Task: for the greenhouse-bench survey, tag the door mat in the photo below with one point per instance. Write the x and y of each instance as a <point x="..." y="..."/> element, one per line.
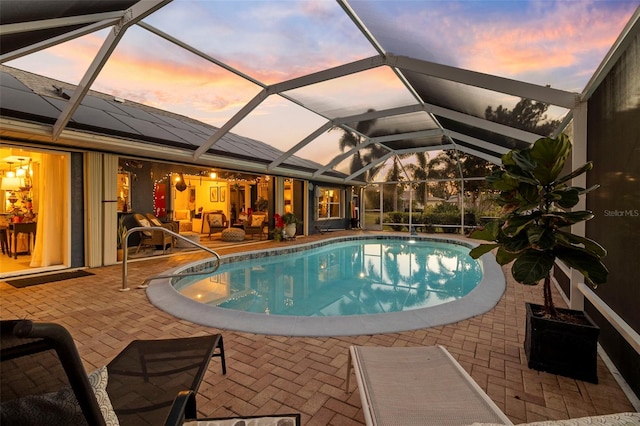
<point x="50" y="278"/>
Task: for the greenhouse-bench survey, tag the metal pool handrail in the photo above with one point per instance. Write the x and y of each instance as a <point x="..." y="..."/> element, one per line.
<point x="145" y="283"/>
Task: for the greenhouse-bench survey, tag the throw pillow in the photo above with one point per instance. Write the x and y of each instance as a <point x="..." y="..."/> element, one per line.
<point x="144" y="222"/>
<point x="98" y="380"/>
<point x="155" y="221"/>
<point x="257" y="220"/>
<point x="58" y="408"/>
<point x="216" y="220"/>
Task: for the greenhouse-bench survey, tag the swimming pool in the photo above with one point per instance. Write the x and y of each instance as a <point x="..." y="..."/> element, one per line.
<point x="383" y="277"/>
<point x="355" y="277"/>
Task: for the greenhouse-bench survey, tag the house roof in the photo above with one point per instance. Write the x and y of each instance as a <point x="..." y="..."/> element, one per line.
<point x="393" y="94"/>
<point x="36" y="98"/>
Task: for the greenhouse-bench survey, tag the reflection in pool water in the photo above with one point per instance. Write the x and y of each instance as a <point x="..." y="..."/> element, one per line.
<point x="347" y="278"/>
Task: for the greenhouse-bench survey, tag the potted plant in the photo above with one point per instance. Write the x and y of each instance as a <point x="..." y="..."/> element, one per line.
<point x="122" y="232"/>
<point x="16" y="215"/>
<point x="533" y="233"/>
<point x="262" y="204"/>
<point x="290" y="223"/>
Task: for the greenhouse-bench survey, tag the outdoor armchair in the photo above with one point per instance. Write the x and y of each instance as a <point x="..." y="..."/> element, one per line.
<point x="152" y="237"/>
<point x="171" y="226"/>
<point x="43" y="380"/>
<point x="217" y="222"/>
<point x="155" y="221"/>
<point x="256" y="224"/>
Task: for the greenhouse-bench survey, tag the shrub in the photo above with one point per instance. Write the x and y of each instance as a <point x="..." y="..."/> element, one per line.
<point x="446" y="208"/>
<point x="396" y="217"/>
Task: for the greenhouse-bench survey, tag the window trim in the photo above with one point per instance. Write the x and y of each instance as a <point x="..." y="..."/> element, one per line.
<point x="340" y="203"/>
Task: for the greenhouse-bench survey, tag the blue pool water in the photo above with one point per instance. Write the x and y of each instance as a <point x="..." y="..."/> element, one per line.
<point x="346" y="278"/>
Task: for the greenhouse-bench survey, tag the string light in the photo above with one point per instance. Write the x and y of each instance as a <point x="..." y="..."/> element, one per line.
<point x="212" y="175"/>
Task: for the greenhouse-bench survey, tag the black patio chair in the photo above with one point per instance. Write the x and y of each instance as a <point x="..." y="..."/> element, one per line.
<point x="43" y="380"/>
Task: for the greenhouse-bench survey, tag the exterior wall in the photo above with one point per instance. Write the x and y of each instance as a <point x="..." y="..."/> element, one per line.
<point x="77" y="211"/>
<point x="142" y="187"/>
<point x="317" y="226"/>
<point x="614" y="147"/>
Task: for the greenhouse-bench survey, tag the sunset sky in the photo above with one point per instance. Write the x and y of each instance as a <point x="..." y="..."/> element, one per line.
<point x="560" y="43"/>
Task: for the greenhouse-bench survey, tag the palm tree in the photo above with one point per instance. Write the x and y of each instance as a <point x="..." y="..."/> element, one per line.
<point x="443" y="166"/>
<point x="395" y="175"/>
<point x="526" y="115"/>
<point x="471" y="166"/>
<point x="373" y="153"/>
<point x="420" y="173"/>
<point x="351" y="139"/>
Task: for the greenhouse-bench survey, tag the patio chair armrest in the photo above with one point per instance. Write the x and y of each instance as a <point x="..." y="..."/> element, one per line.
<point x="169" y="226"/>
<point x="183" y="408"/>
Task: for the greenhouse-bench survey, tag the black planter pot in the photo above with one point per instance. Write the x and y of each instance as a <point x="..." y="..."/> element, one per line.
<point x="562" y="348"/>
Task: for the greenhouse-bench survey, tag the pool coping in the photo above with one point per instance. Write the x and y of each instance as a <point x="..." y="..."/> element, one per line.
<point x="480" y="300"/>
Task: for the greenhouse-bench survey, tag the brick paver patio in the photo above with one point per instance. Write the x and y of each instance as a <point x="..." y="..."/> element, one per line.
<point x="279" y="374"/>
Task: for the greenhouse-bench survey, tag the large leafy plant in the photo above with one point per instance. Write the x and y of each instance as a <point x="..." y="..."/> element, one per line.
<point x="534" y="229"/>
<point x="122" y="232"/>
<point x="289" y="218"/>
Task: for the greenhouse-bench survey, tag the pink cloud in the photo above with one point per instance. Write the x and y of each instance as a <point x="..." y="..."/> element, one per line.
<point x="575" y="40"/>
<point x="191" y="86"/>
<point x="542" y="42"/>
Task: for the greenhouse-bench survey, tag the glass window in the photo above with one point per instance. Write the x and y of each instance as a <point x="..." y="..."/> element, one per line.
<point x="330" y="203"/>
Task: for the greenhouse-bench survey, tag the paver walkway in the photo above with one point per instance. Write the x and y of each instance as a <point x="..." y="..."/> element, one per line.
<point x="279" y="374"/>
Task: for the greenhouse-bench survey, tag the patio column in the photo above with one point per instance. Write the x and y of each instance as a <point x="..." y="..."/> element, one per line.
<point x="278" y="199"/>
<point x="461" y="192"/>
<point x="110" y="209"/>
<point x="578" y="158"/>
<point x="98" y="206"/>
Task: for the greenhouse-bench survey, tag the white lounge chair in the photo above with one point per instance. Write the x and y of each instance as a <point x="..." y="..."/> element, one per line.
<point x="418" y="386"/>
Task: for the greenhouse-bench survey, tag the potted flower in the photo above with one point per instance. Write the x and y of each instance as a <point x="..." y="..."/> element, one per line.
<point x="533" y="233"/>
<point x="290" y="221"/>
<point x="279" y="227"/>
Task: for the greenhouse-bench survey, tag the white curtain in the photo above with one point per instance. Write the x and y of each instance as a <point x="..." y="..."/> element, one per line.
<point x="53" y="200"/>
